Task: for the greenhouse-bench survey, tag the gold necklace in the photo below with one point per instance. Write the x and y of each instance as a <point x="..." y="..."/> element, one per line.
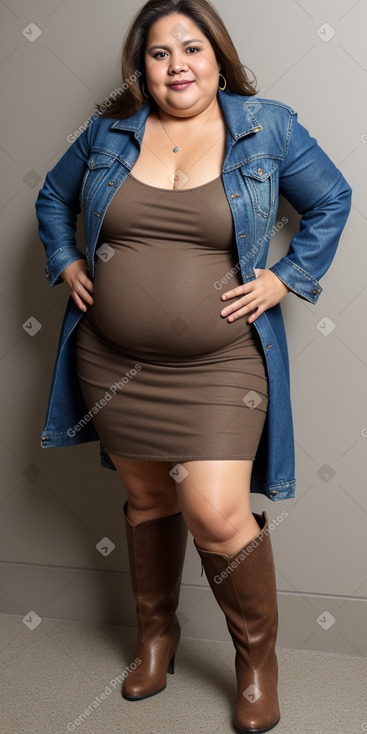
<point x="177" y="148"/>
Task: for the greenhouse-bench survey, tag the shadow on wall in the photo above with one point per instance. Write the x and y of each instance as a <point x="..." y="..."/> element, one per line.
<point x="68" y="558"/>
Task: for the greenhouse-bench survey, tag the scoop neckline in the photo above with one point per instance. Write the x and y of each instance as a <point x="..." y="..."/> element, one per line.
<point x="174" y="191"/>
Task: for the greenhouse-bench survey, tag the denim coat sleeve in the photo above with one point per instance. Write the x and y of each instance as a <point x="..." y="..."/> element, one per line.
<point x="58" y="205"/>
<point x="310" y="181"/>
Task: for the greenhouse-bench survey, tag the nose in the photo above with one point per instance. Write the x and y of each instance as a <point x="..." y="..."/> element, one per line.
<point x="178" y="63"/>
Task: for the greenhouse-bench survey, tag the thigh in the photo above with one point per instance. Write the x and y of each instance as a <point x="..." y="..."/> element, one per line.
<point x="215" y="501"/>
<point x="151" y="491"/>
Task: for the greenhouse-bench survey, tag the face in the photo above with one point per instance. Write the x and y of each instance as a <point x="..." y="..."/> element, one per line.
<point x="182" y="73"/>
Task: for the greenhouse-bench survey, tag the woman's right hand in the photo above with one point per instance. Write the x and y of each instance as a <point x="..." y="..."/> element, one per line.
<point x="81" y="287"/>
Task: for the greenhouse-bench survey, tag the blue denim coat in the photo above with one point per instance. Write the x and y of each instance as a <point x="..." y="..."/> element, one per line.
<point x="268" y="152"/>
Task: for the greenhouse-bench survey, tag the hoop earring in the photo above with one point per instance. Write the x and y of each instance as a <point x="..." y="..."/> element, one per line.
<point x="225" y="83"/>
<point x="143" y="90"/>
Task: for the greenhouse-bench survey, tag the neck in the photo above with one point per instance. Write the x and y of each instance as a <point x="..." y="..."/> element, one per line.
<point x="173" y="119"/>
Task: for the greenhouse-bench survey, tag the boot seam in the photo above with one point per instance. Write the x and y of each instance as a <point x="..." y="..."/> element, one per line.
<point x="138" y="595"/>
<point x="245" y="624"/>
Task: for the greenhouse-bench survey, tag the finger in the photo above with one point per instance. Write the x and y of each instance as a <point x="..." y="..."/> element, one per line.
<point x="243" y="310"/>
<point x="82" y="294"/>
<point x="246" y="301"/>
<point x="85" y="296"/>
<point x="240" y="314"/>
<point x="84" y="281"/>
<point x="78" y="301"/>
<point x="238" y="291"/>
<point x="88" y="284"/>
<point x="255" y="315"/>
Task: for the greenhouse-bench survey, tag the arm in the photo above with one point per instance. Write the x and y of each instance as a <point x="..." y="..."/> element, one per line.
<point x="57" y="207"/>
<point x="318" y="191"/>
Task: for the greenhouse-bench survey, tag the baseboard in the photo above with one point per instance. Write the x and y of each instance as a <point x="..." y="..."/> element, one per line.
<point x="333" y="624"/>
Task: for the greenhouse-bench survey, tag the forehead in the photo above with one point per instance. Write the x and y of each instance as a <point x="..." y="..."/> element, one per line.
<point x="176" y="28"/>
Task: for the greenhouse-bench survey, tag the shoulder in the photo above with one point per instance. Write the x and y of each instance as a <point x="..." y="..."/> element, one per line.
<point x="270" y="110"/>
<point x="270" y="119"/>
<point x="249" y="113"/>
<point x="100" y="134"/>
<point x="272" y="105"/>
<point x="100" y="125"/>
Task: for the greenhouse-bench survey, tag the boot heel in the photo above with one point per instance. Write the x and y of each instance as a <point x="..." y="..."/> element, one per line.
<point x="171" y="667"/>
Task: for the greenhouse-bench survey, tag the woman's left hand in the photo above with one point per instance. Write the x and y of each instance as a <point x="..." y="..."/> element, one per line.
<point x="257" y="296"/>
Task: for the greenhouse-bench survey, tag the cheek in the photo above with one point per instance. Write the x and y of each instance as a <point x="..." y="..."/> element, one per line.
<point x="154" y="72"/>
<point x="206" y="70"/>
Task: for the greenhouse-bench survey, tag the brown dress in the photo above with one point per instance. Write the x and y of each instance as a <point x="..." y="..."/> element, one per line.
<point x="164" y="376"/>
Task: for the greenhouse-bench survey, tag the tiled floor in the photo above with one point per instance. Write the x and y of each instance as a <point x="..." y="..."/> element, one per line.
<point x="53" y="673"/>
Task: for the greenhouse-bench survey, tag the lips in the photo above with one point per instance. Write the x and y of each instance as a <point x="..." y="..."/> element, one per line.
<point x="182" y="84"/>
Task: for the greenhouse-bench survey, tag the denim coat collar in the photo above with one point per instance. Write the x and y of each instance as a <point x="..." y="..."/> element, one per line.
<point x="240" y="122"/>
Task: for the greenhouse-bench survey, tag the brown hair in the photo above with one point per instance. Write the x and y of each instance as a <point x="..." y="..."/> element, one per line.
<point x="129" y="98"/>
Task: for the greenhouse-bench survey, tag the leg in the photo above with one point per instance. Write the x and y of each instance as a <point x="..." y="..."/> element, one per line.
<point x="150" y="489"/>
<point x="238" y="562"/>
<point x="215" y="502"/>
<point x="156" y="538"/>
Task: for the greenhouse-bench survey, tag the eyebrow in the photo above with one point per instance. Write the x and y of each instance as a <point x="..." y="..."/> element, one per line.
<point x="184" y="43"/>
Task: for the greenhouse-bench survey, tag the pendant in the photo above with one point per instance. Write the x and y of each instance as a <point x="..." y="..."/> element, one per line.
<point x="176" y="149"/>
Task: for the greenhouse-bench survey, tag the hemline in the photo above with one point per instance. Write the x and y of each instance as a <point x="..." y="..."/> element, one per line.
<point x="151" y="457"/>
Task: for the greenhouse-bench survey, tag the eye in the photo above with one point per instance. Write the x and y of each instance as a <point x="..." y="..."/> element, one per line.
<point x="159" y="55"/>
<point x="193" y="49"/>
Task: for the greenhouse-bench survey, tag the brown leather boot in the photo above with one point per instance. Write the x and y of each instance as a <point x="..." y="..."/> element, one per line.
<point x="156" y="553"/>
<point x="244" y="587"/>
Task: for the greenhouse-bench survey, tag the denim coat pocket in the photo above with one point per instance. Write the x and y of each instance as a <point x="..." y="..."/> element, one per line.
<point x="97" y="165"/>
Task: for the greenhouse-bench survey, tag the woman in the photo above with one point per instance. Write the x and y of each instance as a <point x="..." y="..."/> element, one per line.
<point x="173" y="350"/>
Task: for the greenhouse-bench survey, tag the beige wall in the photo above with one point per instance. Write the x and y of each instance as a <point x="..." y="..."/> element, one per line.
<point x="56" y="505"/>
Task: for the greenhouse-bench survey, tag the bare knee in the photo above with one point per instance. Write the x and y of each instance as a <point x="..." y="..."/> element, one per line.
<point x="218" y="525"/>
<point x="151" y="491"/>
<point x="219" y="529"/>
